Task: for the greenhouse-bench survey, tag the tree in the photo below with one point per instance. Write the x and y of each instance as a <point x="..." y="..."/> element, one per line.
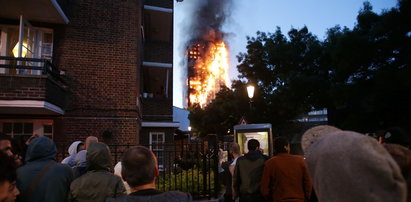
<point x="362" y="76"/>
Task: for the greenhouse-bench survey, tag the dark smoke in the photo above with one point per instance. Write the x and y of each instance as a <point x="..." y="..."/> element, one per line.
<point x="208" y="18"/>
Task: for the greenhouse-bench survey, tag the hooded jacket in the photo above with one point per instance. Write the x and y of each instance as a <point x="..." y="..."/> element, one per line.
<point x="348" y="166"/>
<point x="54" y="185"/>
<point x="98" y="183"/>
<point x="72" y="150"/>
<point x="247" y="174"/>
<point x="154" y="196"/>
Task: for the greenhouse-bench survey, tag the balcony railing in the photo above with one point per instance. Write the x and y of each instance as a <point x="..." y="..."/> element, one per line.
<point x="28" y="66"/>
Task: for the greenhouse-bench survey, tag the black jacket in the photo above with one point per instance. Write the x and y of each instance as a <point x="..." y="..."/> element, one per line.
<point x="247" y="174"/>
<point x="55" y="183"/>
<point x="152" y="195"/>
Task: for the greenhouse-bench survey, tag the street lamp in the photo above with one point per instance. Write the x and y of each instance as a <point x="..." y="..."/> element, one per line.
<point x="250" y="91"/>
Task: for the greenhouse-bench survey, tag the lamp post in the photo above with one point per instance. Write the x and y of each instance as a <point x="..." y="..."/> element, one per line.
<point x="250" y="92"/>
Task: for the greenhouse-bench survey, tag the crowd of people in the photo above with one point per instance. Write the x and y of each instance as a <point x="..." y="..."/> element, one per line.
<point x="84" y="176"/>
<point x="337" y="166"/>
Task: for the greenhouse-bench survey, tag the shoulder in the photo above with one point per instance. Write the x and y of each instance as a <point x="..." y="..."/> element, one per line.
<point x="178" y="196"/>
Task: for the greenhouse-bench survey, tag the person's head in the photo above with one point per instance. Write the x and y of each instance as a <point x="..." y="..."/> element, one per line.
<point x="90" y="140"/>
<point x="8" y="177"/>
<point x="253" y="145"/>
<point x="5" y="145"/>
<point x="98" y="157"/>
<point x="402" y="155"/>
<point x="311" y="135"/>
<point x="74" y="148"/>
<point x="281" y="145"/>
<point x="234" y="148"/>
<point x="139" y="166"/>
<point x="348" y="151"/>
<point x="41" y="148"/>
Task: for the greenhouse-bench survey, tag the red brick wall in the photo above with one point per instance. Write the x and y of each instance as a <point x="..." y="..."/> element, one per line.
<point x="157" y="109"/>
<point x="27" y="87"/>
<point x="100" y="51"/>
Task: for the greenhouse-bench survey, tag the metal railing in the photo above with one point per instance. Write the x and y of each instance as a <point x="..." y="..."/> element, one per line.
<point x="27" y="66"/>
<point x="187" y="167"/>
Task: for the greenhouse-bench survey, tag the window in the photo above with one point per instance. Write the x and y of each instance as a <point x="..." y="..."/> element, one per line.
<point x="18" y="129"/>
<point x="157" y="140"/>
<point x="48" y="131"/>
<point x="37" y="43"/>
<point x="156" y="82"/>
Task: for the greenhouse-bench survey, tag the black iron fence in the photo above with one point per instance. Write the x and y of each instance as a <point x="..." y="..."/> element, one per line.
<point x="28" y="66"/>
<point x="188" y="167"/>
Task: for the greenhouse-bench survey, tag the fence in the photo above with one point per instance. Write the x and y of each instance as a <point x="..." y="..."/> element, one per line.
<point x="188" y="167"/>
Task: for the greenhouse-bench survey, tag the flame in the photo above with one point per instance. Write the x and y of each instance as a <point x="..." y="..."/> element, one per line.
<point x="210" y="72"/>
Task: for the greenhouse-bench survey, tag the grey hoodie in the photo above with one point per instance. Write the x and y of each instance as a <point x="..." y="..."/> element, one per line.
<point x="54" y="185"/>
<point x="348" y="166"/>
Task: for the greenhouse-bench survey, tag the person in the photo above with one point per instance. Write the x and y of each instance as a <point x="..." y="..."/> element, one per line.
<point x="8" y="176"/>
<point x="98" y="183"/>
<point x="285" y="176"/>
<point x="5" y="145"/>
<point x="74" y="148"/>
<point x="41" y="178"/>
<point x="140" y="170"/>
<point x="234" y="150"/>
<point x="117" y="171"/>
<point x="348" y="166"/>
<point x="402" y="155"/>
<point x="248" y="172"/>
<point x="80" y="164"/>
<point x="229" y="166"/>
<point x="90" y="140"/>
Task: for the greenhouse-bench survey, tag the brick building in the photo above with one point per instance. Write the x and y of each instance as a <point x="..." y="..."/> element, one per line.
<point x="70" y="69"/>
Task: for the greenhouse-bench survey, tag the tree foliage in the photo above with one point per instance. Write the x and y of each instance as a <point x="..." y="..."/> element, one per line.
<point x="362" y="76"/>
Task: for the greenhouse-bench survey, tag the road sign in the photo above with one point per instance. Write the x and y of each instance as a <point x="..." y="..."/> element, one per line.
<point x="243" y="121"/>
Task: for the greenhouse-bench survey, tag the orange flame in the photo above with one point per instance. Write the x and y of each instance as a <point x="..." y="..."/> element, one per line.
<point x="210" y="72"/>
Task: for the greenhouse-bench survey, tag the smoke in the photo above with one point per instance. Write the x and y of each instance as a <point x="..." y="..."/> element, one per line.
<point x="208" y="18"/>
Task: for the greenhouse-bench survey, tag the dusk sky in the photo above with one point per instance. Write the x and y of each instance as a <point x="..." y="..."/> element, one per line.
<point x="248" y="17"/>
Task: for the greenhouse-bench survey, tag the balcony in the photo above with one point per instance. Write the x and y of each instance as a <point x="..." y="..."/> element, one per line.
<point x="48" y="11"/>
<point x="30" y="86"/>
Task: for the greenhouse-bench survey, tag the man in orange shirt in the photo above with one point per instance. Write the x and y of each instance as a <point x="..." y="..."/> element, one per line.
<point x="285" y="176"/>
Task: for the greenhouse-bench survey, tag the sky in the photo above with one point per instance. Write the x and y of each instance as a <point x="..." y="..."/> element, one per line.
<point x="250" y="16"/>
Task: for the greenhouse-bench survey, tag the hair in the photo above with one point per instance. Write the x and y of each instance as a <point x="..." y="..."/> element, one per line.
<point x="78" y="146"/>
<point x="138" y="166"/>
<point x="234" y="148"/>
<point x="279" y="144"/>
<point x="8" y="168"/>
<point x="253" y="144"/>
<point x="90" y="140"/>
<point x="4" y="137"/>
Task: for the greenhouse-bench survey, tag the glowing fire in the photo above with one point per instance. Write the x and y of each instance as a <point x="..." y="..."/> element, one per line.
<point x="210" y="72"/>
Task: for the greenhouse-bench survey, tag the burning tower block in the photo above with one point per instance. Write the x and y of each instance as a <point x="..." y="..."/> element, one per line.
<point x="207" y="71"/>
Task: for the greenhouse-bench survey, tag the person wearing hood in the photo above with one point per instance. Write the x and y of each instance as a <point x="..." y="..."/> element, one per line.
<point x="74" y="148"/>
<point x="349" y="166"/>
<point x="80" y="164"/>
<point x="41" y="178"/>
<point x="98" y="183"/>
<point x="248" y="172"/>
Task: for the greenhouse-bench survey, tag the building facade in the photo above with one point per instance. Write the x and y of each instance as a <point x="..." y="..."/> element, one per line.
<point x="157" y="98"/>
<point x="70" y="69"/>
